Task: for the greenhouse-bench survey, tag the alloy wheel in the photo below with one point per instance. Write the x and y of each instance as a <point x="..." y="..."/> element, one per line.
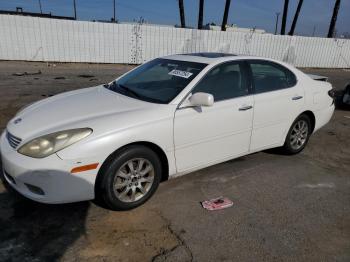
<point x="133" y="180"/>
<point x="299" y="134"/>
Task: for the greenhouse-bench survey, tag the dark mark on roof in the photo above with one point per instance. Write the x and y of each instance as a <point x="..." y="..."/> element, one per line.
<point x="210" y="55"/>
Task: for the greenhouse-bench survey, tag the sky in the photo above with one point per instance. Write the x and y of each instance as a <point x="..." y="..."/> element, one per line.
<point x="244" y="13"/>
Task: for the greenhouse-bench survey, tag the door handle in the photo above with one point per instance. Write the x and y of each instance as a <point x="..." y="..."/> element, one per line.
<point x="244" y="108"/>
<point x="297" y="97"/>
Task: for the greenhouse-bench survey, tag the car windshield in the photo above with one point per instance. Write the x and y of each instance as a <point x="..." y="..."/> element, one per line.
<point x="158" y="81"/>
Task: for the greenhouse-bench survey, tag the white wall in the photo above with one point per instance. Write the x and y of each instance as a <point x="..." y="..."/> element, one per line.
<point x="43" y="39"/>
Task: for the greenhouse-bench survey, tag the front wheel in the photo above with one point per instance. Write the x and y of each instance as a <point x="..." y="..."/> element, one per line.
<point x="298" y="135"/>
<point x="131" y="178"/>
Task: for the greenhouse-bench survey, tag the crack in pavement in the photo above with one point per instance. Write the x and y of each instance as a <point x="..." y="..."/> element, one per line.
<point x="175" y="251"/>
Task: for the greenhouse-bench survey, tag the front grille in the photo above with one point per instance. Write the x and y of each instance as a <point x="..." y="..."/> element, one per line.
<point x="13" y="140"/>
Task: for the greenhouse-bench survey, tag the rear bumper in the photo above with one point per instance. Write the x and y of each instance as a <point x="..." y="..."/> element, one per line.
<point x="46" y="180"/>
<point x="323" y="116"/>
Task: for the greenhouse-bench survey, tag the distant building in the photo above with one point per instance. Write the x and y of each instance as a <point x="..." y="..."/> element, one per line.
<point x="234" y="28"/>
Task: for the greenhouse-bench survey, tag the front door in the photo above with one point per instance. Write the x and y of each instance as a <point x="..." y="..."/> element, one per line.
<point x="208" y="135"/>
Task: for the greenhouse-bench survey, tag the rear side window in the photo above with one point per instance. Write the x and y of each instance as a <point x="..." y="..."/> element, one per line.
<point x="224" y="81"/>
<point x="269" y="76"/>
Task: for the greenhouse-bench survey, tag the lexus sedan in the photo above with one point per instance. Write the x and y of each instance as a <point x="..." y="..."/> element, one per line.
<point x="165" y="118"/>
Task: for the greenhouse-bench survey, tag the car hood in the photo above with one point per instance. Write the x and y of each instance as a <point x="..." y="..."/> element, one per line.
<point x="71" y="110"/>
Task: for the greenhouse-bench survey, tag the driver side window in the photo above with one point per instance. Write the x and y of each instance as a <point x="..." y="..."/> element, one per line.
<point x="224" y="82"/>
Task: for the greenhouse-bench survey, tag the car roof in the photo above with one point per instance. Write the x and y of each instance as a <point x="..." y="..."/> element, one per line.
<point x="208" y="57"/>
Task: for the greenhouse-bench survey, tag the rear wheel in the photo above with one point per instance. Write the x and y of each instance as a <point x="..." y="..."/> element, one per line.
<point x="298" y="135"/>
<point x="131" y="178"/>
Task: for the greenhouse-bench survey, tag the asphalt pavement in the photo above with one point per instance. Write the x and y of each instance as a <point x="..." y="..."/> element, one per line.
<point x="286" y="208"/>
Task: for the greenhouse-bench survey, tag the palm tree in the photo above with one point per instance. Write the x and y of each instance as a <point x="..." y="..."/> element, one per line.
<point x="334" y="19"/>
<point x="200" y="14"/>
<point x="182" y="13"/>
<point x="41" y="10"/>
<point x="296" y="16"/>
<point x="75" y="10"/>
<point x="284" y="17"/>
<point x="224" y="19"/>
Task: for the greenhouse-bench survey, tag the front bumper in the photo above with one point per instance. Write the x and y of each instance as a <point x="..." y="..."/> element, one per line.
<point x="46" y="180"/>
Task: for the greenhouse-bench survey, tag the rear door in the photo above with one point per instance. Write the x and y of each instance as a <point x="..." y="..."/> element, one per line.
<point x="207" y="135"/>
<point x="278" y="99"/>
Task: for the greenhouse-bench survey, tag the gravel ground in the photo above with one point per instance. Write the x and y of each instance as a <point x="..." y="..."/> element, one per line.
<point x="286" y="208"/>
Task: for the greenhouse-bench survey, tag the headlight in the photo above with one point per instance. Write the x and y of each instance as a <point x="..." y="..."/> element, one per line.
<point x="48" y="144"/>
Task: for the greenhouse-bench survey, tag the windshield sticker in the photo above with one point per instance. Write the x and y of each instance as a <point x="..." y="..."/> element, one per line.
<point x="180" y="73"/>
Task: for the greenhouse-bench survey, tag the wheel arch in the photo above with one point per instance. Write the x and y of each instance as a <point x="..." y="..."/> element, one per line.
<point x="312" y="118"/>
<point x="157" y="149"/>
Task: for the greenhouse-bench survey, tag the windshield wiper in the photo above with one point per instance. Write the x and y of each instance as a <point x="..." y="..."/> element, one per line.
<point x="128" y="90"/>
<point x="110" y="85"/>
<point x="113" y="85"/>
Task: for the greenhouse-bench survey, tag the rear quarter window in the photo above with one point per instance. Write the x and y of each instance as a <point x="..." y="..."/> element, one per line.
<point x="269" y="76"/>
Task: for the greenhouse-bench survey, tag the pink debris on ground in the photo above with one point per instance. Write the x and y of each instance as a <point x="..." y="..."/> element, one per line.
<point x="217" y="203"/>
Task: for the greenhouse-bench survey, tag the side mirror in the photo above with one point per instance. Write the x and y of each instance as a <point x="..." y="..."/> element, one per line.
<point x="201" y="99"/>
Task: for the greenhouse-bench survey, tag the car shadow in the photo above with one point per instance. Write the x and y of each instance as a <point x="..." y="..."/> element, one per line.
<point x="30" y="231"/>
<point x="275" y="151"/>
<point x="33" y="231"/>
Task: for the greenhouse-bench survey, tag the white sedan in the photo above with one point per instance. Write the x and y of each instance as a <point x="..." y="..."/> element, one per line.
<point x="165" y="118"/>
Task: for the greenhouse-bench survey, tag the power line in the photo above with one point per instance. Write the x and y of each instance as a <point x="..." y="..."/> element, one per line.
<point x="142" y="10"/>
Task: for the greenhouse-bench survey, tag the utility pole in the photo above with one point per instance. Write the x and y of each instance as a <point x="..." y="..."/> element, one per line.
<point x="200" y="14"/>
<point x="277" y="16"/>
<point x="295" y="19"/>
<point x="75" y="10"/>
<point x="41" y="10"/>
<point x="182" y="13"/>
<point x="334" y="19"/>
<point x="313" y="31"/>
<point x="114" y="11"/>
<point x="284" y="17"/>
<point x="224" y="19"/>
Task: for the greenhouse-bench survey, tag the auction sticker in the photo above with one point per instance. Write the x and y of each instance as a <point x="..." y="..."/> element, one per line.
<point x="180" y="73"/>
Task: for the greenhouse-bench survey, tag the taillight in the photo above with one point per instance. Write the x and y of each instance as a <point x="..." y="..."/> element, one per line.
<point x="331" y="93"/>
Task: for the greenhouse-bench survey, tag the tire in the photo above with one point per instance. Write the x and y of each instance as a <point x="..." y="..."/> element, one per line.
<point x="129" y="178"/>
<point x="17" y="196"/>
<point x="298" y="135"/>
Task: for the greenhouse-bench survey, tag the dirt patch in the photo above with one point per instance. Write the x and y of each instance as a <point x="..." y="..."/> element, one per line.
<point x="137" y="235"/>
